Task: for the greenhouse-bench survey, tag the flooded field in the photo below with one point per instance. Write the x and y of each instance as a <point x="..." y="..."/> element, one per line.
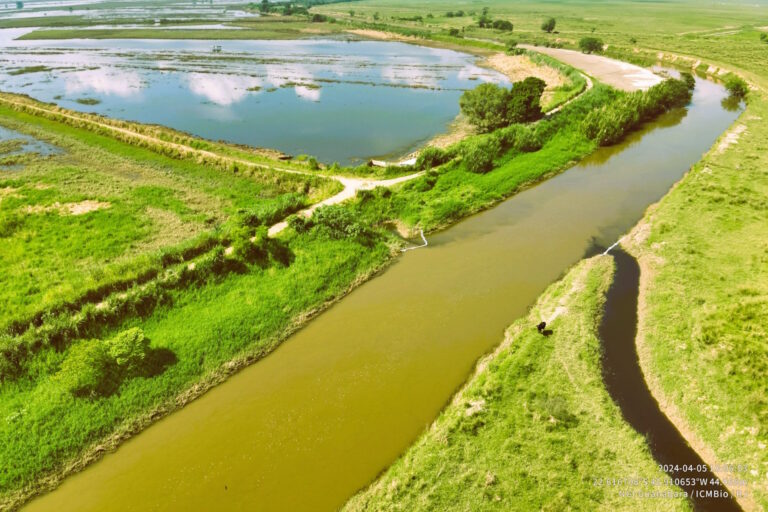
<point x="337" y="100"/>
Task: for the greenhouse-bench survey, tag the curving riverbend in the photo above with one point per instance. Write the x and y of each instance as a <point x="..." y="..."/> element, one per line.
<point x="320" y="417"/>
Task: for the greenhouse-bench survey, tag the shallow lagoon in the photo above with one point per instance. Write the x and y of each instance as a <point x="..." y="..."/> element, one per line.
<point x="339" y="100"/>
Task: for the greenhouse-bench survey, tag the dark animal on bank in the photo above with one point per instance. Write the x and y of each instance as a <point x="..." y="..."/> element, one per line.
<point x="541" y="326"/>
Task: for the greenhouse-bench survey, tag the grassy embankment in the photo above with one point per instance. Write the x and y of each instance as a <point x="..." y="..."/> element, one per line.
<point x="702" y="250"/>
<point x="529" y="429"/>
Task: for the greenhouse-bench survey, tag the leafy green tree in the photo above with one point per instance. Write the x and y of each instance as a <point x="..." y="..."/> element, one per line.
<point x="591" y="45"/>
<point x="129" y="350"/>
<point x="549" y="25"/>
<point x="486" y="106"/>
<point x="524" y="103"/>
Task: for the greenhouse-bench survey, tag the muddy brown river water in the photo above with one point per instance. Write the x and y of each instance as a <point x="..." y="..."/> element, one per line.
<point x="319" y="418"/>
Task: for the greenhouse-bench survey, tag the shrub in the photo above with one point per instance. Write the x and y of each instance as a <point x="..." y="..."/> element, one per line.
<point x="478" y="156"/>
<point x="430" y="157"/>
<point x="88" y="370"/>
<point x="338" y="222"/>
<point x="736" y="86"/>
<point x="688" y="79"/>
<point x="454" y="32"/>
<point x="299" y="223"/>
<point x="764" y="37"/>
<point x="549" y="25"/>
<point x="129" y="350"/>
<point x="504" y="25"/>
<point x="591" y="45"/>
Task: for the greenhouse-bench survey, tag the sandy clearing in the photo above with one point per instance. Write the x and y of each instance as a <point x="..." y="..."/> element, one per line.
<point x="518" y="67"/>
<point x="380" y="34"/>
<point x="620" y="75"/>
<point x="731" y="138"/>
<point x="80" y="208"/>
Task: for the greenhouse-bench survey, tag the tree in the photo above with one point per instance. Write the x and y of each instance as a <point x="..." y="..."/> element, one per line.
<point x="524" y="103"/>
<point x="549" y="25"/>
<point x="591" y="45"/>
<point x="486" y="106"/>
<point x="503" y="25"/>
<point x="129" y="349"/>
<point x="490" y="107"/>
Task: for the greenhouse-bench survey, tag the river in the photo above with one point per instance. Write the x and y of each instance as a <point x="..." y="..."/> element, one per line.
<point x="333" y="406"/>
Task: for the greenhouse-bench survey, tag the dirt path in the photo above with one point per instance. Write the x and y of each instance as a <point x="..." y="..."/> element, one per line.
<point x="615" y="73"/>
<point x="351" y="185"/>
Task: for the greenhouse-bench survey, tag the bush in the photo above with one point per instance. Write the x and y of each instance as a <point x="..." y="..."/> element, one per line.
<point x="430" y="157"/>
<point x="454" y="32"/>
<point x="478" y="156"/>
<point x="129" y="350"/>
<point x="736" y="86"/>
<point x="299" y="223"/>
<point x="688" y="79"/>
<point x="338" y="222"/>
<point x="591" y="45"/>
<point x="504" y="25"/>
<point x="549" y="25"/>
<point x="88" y="370"/>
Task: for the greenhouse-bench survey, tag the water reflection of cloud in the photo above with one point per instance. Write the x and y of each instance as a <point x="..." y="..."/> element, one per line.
<point x="119" y="83"/>
<point x="221" y="89"/>
<point x="476" y="72"/>
<point x="409" y="73"/>
<point x="307" y="93"/>
<point x="288" y="74"/>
